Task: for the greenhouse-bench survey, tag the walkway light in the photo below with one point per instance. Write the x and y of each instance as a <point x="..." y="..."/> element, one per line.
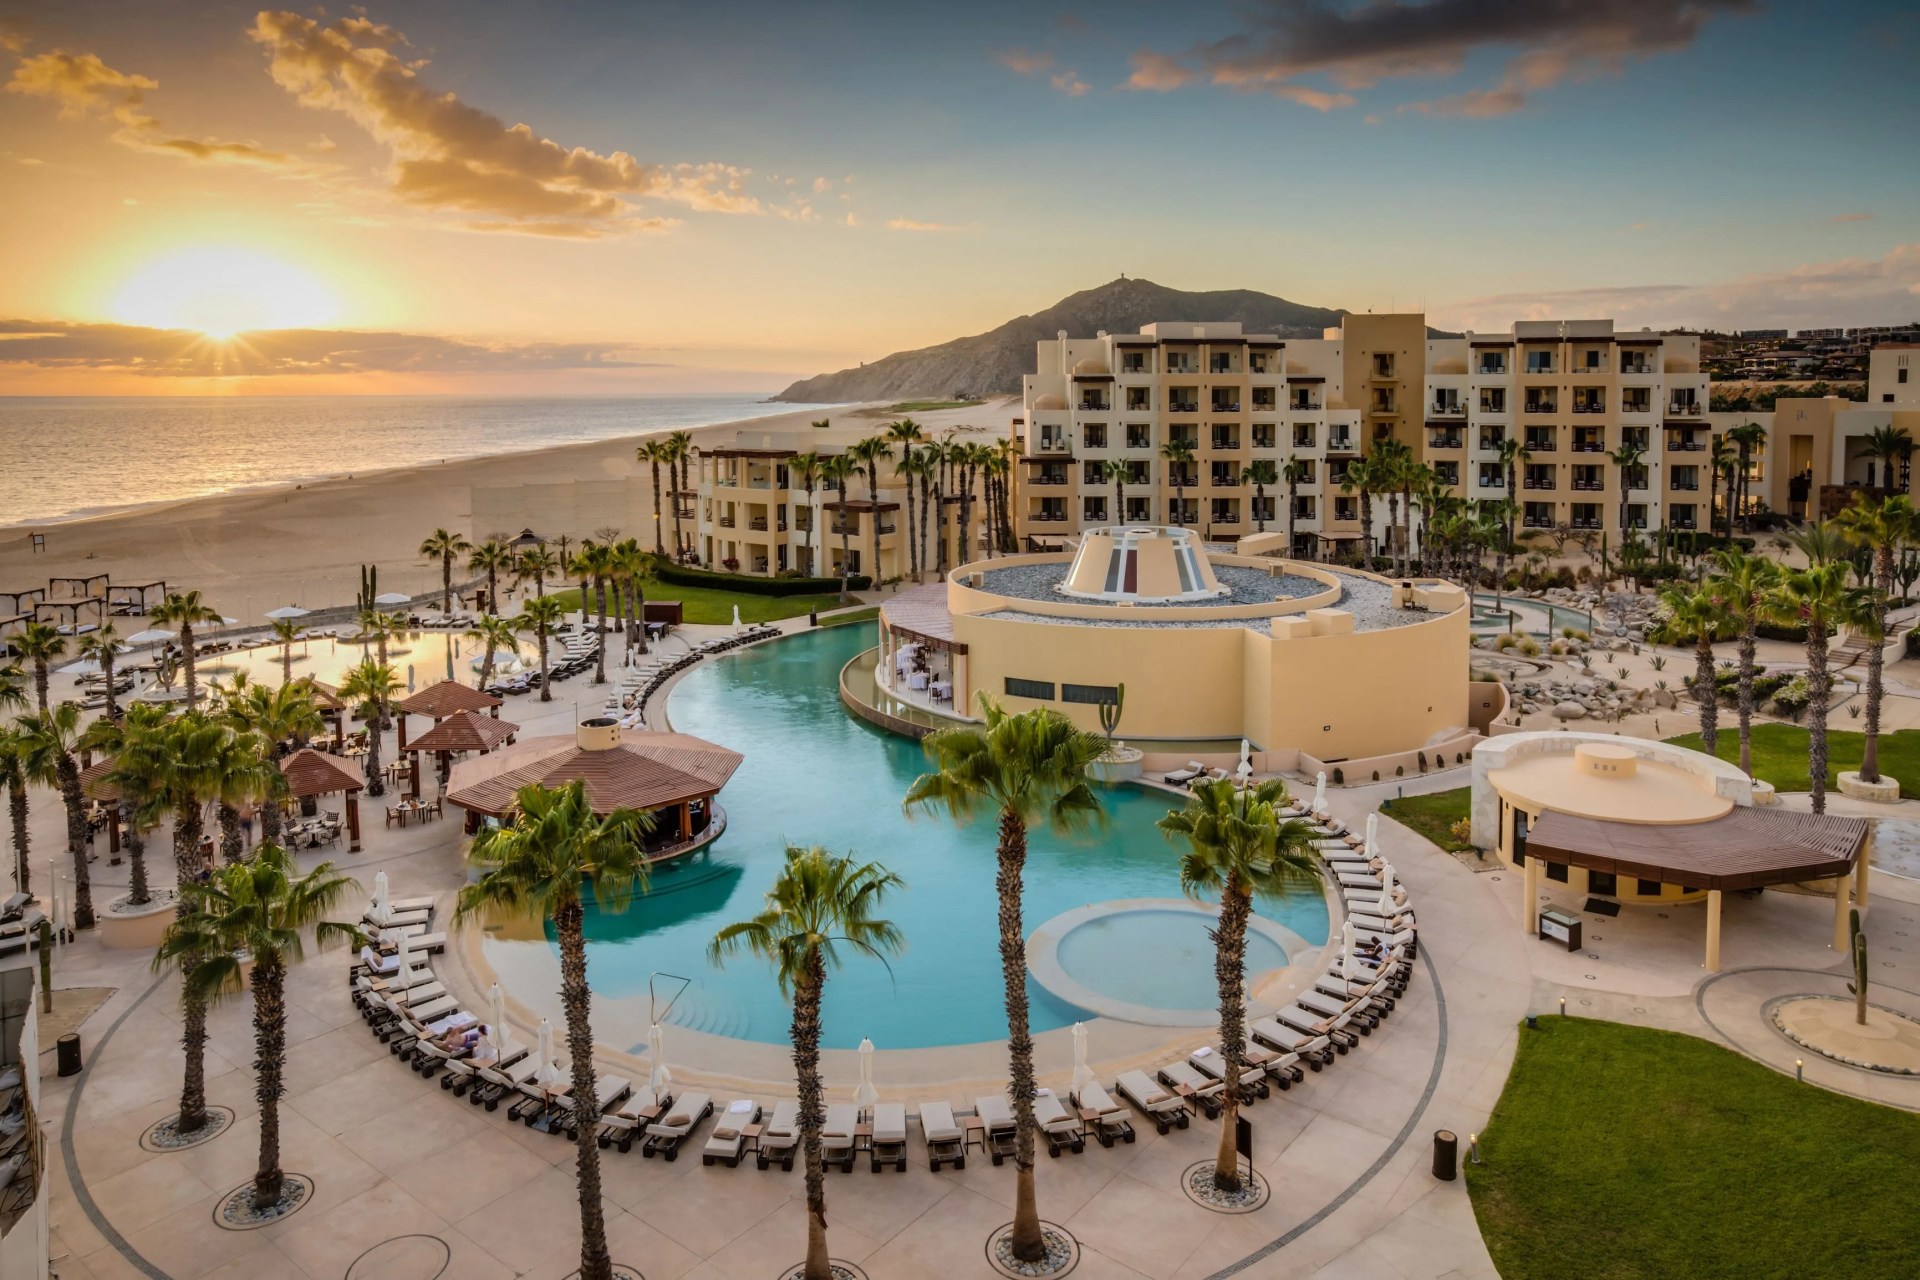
<point x="1563" y="1006"/>
<point x="1473" y="1148"/>
<point x="1799" y="1071"/>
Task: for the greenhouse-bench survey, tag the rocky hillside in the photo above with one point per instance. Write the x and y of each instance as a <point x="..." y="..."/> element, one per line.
<point x="990" y="364"/>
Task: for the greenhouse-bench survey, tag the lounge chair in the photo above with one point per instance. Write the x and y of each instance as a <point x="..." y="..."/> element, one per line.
<point x="1060" y="1127"/>
<point x="665" y="1135"/>
<point x="1210" y="1063"/>
<point x="1201" y="1090"/>
<point x="537" y="1095"/>
<point x="607" y="1091"/>
<point x="1162" y="1106"/>
<point x="1181" y="777"/>
<point x="946" y="1140"/>
<point x="837" y="1137"/>
<point x="622" y="1122"/>
<point x="1315" y="1022"/>
<point x="1282" y="1069"/>
<point x="1110" y="1119"/>
<point x="1313" y="1046"/>
<point x="779" y="1137"/>
<point x="498" y="1081"/>
<point x="1001" y="1131"/>
<point x="464" y="1073"/>
<point x="728" y="1137"/>
<point x="889" y="1143"/>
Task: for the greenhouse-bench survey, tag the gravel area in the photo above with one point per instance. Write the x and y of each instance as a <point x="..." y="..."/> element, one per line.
<point x="1247" y="586"/>
<point x="1370" y="603"/>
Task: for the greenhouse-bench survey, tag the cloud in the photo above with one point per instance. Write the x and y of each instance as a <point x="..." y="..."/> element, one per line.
<point x="451" y="156"/>
<point x="1855" y="291"/>
<point x="1023" y="62"/>
<point x="82" y="85"/>
<point x="1070" y="83"/>
<point x="1851" y="217"/>
<point x="179" y="353"/>
<point x="1321" y="54"/>
<point x="908" y="224"/>
<point x="853" y="219"/>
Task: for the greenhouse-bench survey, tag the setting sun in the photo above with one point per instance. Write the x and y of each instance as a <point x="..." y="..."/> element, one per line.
<point x="220" y="291"/>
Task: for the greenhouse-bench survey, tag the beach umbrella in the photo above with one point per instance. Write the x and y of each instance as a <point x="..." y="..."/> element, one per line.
<point x="1320" y="792"/>
<point x="1346" y="949"/>
<point x="381" y="912"/>
<point x="1082" y="1073"/>
<point x="549" y="1070"/>
<point x="84" y="667"/>
<point x="660" y="1079"/>
<point x="409" y="677"/>
<point x="151" y="636"/>
<point x="1386" y="889"/>
<point x="286" y="612"/>
<point x="393" y="597"/>
<point x="1246" y="756"/>
<point x="497" y="1009"/>
<point x="1373" y="828"/>
<point x="864" y="1094"/>
<point x="403" y="974"/>
<point x="736" y="617"/>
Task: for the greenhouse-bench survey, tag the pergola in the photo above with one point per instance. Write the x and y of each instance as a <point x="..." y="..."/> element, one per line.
<point x="96" y="785"/>
<point x="675" y="774"/>
<point x="135" y="599"/>
<point x="313" y="773"/>
<point x="327" y="700"/>
<point x="462" y="732"/>
<point x="438" y="701"/>
<point x="89" y="612"/>
<point x="1747" y="848"/>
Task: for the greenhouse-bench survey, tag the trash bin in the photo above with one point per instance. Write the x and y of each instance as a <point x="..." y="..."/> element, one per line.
<point x="67" y="1053"/>
<point x="1446" y="1155"/>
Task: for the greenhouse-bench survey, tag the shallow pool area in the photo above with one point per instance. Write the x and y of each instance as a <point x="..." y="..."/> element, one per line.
<point x="1157" y="957"/>
<point x="816" y="775"/>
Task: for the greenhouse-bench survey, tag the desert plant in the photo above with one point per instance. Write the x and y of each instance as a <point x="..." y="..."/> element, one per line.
<point x="1658" y="662"/>
<point x="1857" y="951"/>
<point x="1339" y="776"/>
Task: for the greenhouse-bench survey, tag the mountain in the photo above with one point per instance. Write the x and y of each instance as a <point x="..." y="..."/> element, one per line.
<point x="990" y="364"/>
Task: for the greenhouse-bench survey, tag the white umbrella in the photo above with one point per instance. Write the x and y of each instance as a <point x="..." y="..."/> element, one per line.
<point x="84" y="667"/>
<point x="1386" y="889"/>
<point x="1373" y="828"/>
<point x="1320" y="792"/>
<point x="403" y="973"/>
<point x="1082" y="1073"/>
<point x="287" y="612"/>
<point x="393" y="597"/>
<point x="409" y="677"/>
<point x="152" y="636"/>
<point x="229" y="622"/>
<point x="864" y="1094"/>
<point x="659" y="1078"/>
<point x="736" y="617"/>
<point x="381" y="912"/>
<point x="548" y="1072"/>
<point x="497" y="1008"/>
<point x="1347" y="932"/>
<point x="1246" y="756"/>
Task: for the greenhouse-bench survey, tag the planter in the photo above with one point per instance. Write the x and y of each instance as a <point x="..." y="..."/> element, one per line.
<point x="124" y="928"/>
<point x="1120" y="764"/>
<point x="1885" y="791"/>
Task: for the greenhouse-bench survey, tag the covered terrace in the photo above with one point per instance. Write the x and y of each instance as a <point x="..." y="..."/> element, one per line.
<point x="462" y="733"/>
<point x="311" y="774"/>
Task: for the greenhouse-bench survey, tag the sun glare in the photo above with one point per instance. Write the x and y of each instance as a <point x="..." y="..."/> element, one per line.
<point x="221" y="291"/>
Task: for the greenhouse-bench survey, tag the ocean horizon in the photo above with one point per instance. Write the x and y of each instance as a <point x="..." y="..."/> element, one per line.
<point x="72" y="457"/>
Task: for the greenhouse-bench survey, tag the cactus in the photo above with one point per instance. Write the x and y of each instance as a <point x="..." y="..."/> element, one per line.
<point x="1857" y="947"/>
<point x="1110" y="712"/>
<point x="46" y="966"/>
<point x="1339" y="777"/>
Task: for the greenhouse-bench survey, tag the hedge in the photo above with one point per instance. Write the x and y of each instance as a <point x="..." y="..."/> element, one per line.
<point x="749" y="584"/>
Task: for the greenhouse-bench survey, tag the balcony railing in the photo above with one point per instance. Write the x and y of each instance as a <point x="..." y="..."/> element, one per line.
<point x="1183" y="406"/>
<point x="1688" y="446"/>
<point x="758" y="523"/>
<point x="1638" y="368"/>
<point x="1303" y="405"/>
<point x="1265" y="406"/>
<point x="1684" y="409"/>
<point x="1045" y="516"/>
<point x="725" y="522"/>
<point x="1492" y="439"/>
<point x="1589" y="407"/>
<point x="1444" y="440"/>
<point x="1340" y="443"/>
<point x="1050" y="480"/>
<point x="1585" y="524"/>
<point x="1303" y="441"/>
<point x="1497" y="408"/>
<point x="1589" y="486"/>
<point x="1495" y="481"/>
<point x="1636" y="406"/>
<point x="1492" y="370"/>
<point x="1448" y="409"/>
<point x="1689" y="486"/>
<point x="1536" y="522"/>
<point x="1589" y="446"/>
<point x="1542" y="446"/>
<point x="1225" y="482"/>
<point x="1226" y="406"/>
<point x="1097" y="406"/>
<point x="1542" y="406"/>
<point x="1679" y="522"/>
<point x="1539" y="484"/>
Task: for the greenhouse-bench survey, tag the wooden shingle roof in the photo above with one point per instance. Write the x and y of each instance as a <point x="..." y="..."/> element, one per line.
<point x="464" y="731"/>
<point x="642" y="771"/>
<point x="443" y="699"/>
<point x="315" y="773"/>
<point x="1747" y="848"/>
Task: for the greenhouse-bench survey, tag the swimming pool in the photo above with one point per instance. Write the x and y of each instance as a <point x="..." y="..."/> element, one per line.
<point x="1157" y="957"/>
<point x="816" y="775"/>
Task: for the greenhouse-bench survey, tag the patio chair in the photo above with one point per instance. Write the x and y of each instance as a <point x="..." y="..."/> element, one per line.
<point x="837" y="1135"/>
<point x="728" y="1139"/>
<point x="1110" y="1119"/>
<point x="946" y="1140"/>
<point x="1001" y="1132"/>
<point x="889" y="1144"/>
<point x="1162" y="1106"/>
<point x="779" y="1137"/>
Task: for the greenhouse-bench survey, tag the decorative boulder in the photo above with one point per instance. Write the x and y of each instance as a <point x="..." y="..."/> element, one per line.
<point x="1569" y="711"/>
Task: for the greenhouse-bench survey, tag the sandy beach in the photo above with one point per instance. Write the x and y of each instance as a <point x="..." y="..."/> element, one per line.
<point x="251" y="552"/>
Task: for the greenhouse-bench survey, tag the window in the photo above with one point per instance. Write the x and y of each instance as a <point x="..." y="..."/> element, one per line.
<point x="1447" y="473"/>
<point x="1648" y="888"/>
<point x="1091" y="693"/>
<point x="1095" y="435"/>
<point x="1900" y="376"/>
<point x="1139" y="436"/>
<point x="1602" y="882"/>
<point x="1519" y="837"/>
<point x="1094" y="510"/>
<point x="1226" y="511"/>
<point x="1040" y="690"/>
<point x="1557" y="871"/>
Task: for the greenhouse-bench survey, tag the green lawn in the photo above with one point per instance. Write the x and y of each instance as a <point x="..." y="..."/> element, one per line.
<point x="928" y="406"/>
<point x="1624" y="1153"/>
<point x="851" y="617"/>
<point x="1780" y="754"/>
<point x="1432" y="815"/>
<point x="711" y="605"/>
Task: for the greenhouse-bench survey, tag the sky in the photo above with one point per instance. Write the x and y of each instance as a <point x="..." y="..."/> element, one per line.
<point x="478" y="196"/>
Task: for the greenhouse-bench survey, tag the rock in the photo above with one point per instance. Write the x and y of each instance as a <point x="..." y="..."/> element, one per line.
<point x="1583" y="688"/>
<point x="1664" y="699"/>
<point x="1569" y="711"/>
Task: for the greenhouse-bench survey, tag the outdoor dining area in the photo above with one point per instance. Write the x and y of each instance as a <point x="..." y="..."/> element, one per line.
<point x="920" y="668"/>
<point x="401" y="812"/>
<point x="311" y="774"/>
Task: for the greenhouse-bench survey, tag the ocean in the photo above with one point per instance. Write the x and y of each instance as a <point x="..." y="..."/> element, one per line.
<point x="66" y="457"/>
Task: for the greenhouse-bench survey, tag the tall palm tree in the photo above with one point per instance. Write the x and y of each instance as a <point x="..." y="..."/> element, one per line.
<point x="1721" y="461"/>
<point x="183" y="611"/>
<point x="1238" y="848"/>
<point x="285" y="632"/>
<point x="1626" y="465"/>
<point x="1883" y="526"/>
<point x="493" y="633"/>
<point x="1115" y="471"/>
<point x="1699" y="616"/>
<point x="1889" y="446"/>
<point x="52" y="737"/>
<point x="1514" y="454"/>
<point x="1821" y="542"/>
<point x="906" y="433"/>
<point x="374" y="686"/>
<point x="492" y="558"/>
<point x="1295" y="474"/>
<point x="867" y="455"/>
<point x="1743" y="583"/>
<point x="378" y="628"/>
<point x="542" y="616"/>
<point x="42" y="645"/>
<point x="257" y="910"/>
<point x="1025" y="769"/>
<point x="276" y="716"/>
<point x="819" y="901"/>
<point x="1260" y="473"/>
<point x="805" y="469"/>
<point x="1178" y="453"/>
<point x="1364" y="476"/>
<point x="594" y="562"/>
<point x="13" y="769"/>
<point x="445" y="546"/>
<point x="109" y="738"/>
<point x="631" y="566"/>
<point x="971" y="457"/>
<point x="679" y="453"/>
<point x="1819" y="599"/>
<point x="654" y="452"/>
<point x="910" y="467"/>
<point x="248" y="775"/>
<point x="836" y="469"/>
<point x="1000" y="466"/>
<point x="103" y="647"/>
<point x="1747" y="437"/>
<point x="536" y="868"/>
<point x="535" y="565"/>
<point x="1389" y="463"/>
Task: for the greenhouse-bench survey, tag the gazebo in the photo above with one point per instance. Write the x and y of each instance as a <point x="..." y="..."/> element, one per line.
<point x="462" y="732"/>
<point x="95" y="784"/>
<point x="674" y="774"/>
<point x="438" y="701"/>
<point x="313" y="773"/>
<point x="331" y="706"/>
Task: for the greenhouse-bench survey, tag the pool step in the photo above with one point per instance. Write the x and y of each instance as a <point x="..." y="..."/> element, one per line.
<point x="705" y="1010"/>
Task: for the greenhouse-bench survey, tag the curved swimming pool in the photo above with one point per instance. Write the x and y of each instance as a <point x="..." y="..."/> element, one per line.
<point x="815" y="775"/>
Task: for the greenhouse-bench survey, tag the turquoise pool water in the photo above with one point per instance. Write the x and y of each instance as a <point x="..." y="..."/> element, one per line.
<point x="816" y="775"/>
<point x="1162" y="959"/>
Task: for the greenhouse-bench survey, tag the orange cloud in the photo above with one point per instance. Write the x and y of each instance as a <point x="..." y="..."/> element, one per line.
<point x="909" y="224"/>
<point x="1070" y="83"/>
<point x="1023" y="62"/>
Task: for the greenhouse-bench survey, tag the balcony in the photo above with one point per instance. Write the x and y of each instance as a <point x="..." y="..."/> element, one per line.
<point x="1095" y="406"/>
<point x="1537" y="522"/>
<point x="1225" y="406"/>
<point x="1589" y="406"/>
<point x="1495" y="480"/>
<point x="1304" y="404"/>
<point x="725" y="522"/>
<point x="1544" y="445"/>
<point x="1588" y="523"/>
<point x="1589" y="486"/>
<point x="1687" y="446"/>
<point x="1637" y="368"/>
<point x="1183" y="406"/>
<point x="758" y="524"/>
<point x="1445" y="440"/>
<point x="1265" y="406"/>
<point x="1542" y="367"/>
<point x="1532" y="483"/>
<point x="1589" y="446"/>
<point x="1542" y="406"/>
<point x="1684" y="409"/>
<point x="1040" y="516"/>
<point x="1686" y="523"/>
<point x="1447" y="409"/>
<point x="1492" y="369"/>
<point x="1636" y="406"/>
<point x="1049" y="480"/>
<point x="1340" y="442"/>
<point x="1492" y="439"/>
<point x="1684" y="486"/>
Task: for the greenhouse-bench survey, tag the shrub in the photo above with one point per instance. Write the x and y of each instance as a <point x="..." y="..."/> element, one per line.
<point x="1530" y="647"/>
<point x="1505" y="641"/>
<point x="1339" y="776"/>
<point x="1462" y="830"/>
<point x="1376" y="775"/>
<point x="1399" y="771"/>
<point x="749" y="584"/>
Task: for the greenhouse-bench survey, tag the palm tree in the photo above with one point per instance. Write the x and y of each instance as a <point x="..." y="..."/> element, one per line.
<point x="248" y="773"/>
<point x="52" y="736"/>
<point x="836" y="469"/>
<point x="444" y="545"/>
<point x="13" y="768"/>
<point x="491" y="557"/>
<point x="806" y="469"/>
<point x="1260" y="473"/>
<point x="866" y="455"/>
<point x="910" y="467"/>
<point x="1819" y="599"/>
<point x="1178" y="454"/>
<point x="1295" y="474"/>
<point x="1889" y="446"/>
<point x="1389" y="464"/>
<point x="103" y="647"/>
<point x="971" y="458"/>
<point x="41" y="644"/>
<point x="630" y="565"/>
<point x="1699" y="616"/>
<point x="1720" y="461"/>
<point x="818" y="901"/>
<point x="494" y="633"/>
<point x="906" y="433"/>
<point x="374" y="686"/>
<point x="1363" y="475"/>
<point x="653" y="453"/>
<point x="184" y="610"/>
<point x="1026" y="769"/>
<point x="535" y="869"/>
<point x="679" y="453"/>
<point x="1116" y="470"/>
<point x="285" y="631"/>
<point x="1513" y="455"/>
<point x="1000" y="469"/>
<point x="1626" y="462"/>
<point x="1742" y="582"/>
<point x="594" y="562"/>
<point x="1883" y="526"/>
<point x="542" y="616"/>
<point x="109" y="738"/>
<point x="257" y="910"/>
<point x="276" y="716"/>
<point x="1238" y="848"/>
<point x="1747" y="437"/>
<point x="535" y="565"/>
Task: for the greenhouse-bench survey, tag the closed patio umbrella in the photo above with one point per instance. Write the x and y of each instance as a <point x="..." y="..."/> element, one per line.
<point x="548" y="1073"/>
<point x="1320" y="792"/>
<point x="404" y="973"/>
<point x="1346" y="949"/>
<point x="409" y="677"/>
<point x="1373" y="828"/>
<point x="864" y="1094"/>
<point x="497" y="1010"/>
<point x="1386" y="889"/>
<point x="381" y="912"/>
<point x="659" y="1078"/>
<point x="1082" y="1073"/>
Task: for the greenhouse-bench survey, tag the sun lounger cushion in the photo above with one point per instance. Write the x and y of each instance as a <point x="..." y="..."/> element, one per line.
<point x="889" y="1122"/>
<point x="837" y="1132"/>
<point x="738" y="1115"/>
<point x="686" y="1112"/>
<point x="936" y="1121"/>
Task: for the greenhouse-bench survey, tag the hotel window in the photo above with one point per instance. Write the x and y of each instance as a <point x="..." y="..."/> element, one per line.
<point x="1183" y="400"/>
<point x="1346" y="508"/>
<point x="1263" y="436"/>
<point x="1094" y="435"/>
<point x="1447" y="473"/>
<point x="1603" y="883"/>
<point x="1557" y="871"/>
<point x="1139" y="400"/>
<point x="1139" y="511"/>
<point x="1038" y="690"/>
<point x="1093" y="473"/>
<point x="1492" y="476"/>
<point x="1263" y="401"/>
<point x="1648" y="888"/>
<point x="1539" y="362"/>
<point x="1224" y="475"/>
<point x="1590" y="359"/>
<point x="1303" y="434"/>
<point x="1220" y="362"/>
<point x="1139" y="436"/>
<point x="1093" y="510"/>
<point x="1226" y="511"/>
<point x="1493" y="362"/>
<point x="1306" y="474"/>
<point x="1303" y="507"/>
<point x="1089" y="693"/>
<point x="1493" y="400"/>
<point x="1133" y="362"/>
<point x="1382" y="365"/>
<point x="1225" y="437"/>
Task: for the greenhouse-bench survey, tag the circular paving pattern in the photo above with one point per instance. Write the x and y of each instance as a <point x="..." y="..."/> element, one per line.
<point x="237" y="1211"/>
<point x="414" y="1257"/>
<point x="620" y="1272"/>
<point x="1829" y="1026"/>
<point x="165" y="1135"/>
<point x="1197" y="1182"/>
<point x="841" y="1271"/>
<point x="1063" y="1253"/>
